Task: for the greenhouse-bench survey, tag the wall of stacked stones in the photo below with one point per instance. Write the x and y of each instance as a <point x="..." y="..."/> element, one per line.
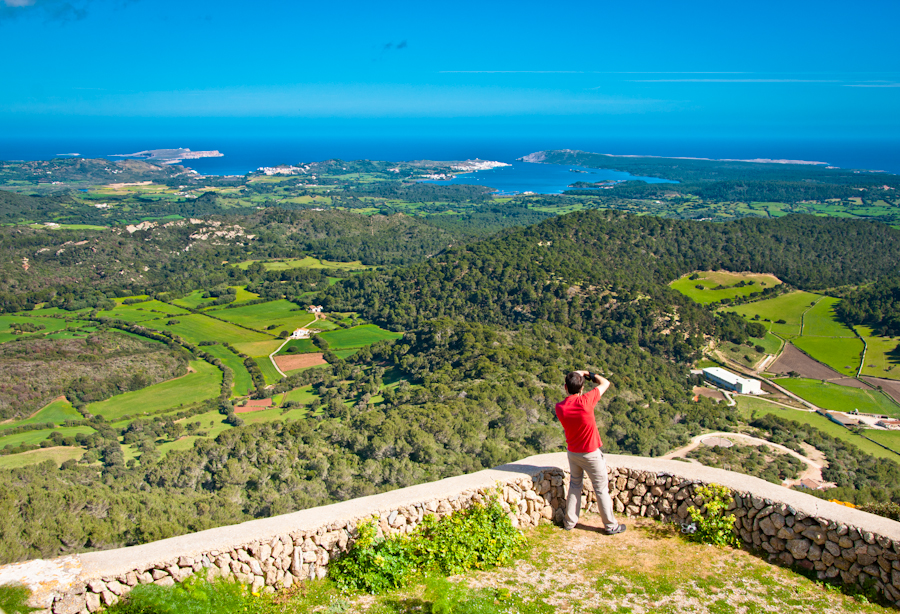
<point x="836" y="542"/>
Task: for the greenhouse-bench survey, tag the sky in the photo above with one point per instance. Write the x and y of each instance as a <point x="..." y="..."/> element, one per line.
<point x="674" y="69"/>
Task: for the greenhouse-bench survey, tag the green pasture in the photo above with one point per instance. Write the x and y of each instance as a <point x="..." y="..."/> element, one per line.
<point x="882" y="355"/>
<point x="36" y="437"/>
<point x="303" y="395"/>
<point x="56" y="311"/>
<point x="50" y="325"/>
<point x="267" y="367"/>
<point x="345" y="354"/>
<point x="841" y="398"/>
<point x="890" y="439"/>
<point x="259" y="348"/>
<point x="242" y="381"/>
<point x="357" y="337"/>
<point x="194" y="387"/>
<point x="788" y="307"/>
<point x="195" y="299"/>
<point x="821" y="320"/>
<point x="56" y="412"/>
<point x="282" y="314"/>
<point x="303" y="263"/>
<point x="711" y="279"/>
<point x="757" y="407"/>
<point x="58" y="454"/>
<point x="304" y="346"/>
<point x="840" y="353"/>
<point x="146" y="310"/>
<point x="273" y="414"/>
<point x="212" y="423"/>
<point x="197" y="327"/>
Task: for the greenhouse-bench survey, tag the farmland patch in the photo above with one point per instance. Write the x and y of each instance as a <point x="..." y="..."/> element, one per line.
<point x="293" y="362"/>
<point x="841" y="398"/>
<point x="196" y="328"/>
<point x="712" y="286"/>
<point x="357" y="337"/>
<point x="273" y="316"/>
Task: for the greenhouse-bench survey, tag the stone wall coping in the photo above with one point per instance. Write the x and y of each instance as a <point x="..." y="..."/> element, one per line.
<point x="117" y="562"/>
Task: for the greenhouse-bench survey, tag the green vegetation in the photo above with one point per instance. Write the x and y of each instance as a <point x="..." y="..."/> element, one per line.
<point x="303" y="263"/>
<point x="713" y="286"/>
<point x="242" y="383"/>
<point x="299" y="346"/>
<point x="273" y="316"/>
<point x="710" y="523"/>
<point x="891" y="439"/>
<point x="756" y="408"/>
<point x="782" y="315"/>
<point x="196" y="328"/>
<point x="841" y="398"/>
<point x="357" y="337"/>
<point x="57" y="454"/>
<point x="477" y="537"/>
<point x="759" y="461"/>
<point x="843" y="354"/>
<point x="822" y="320"/>
<point x="200" y="384"/>
<point x="882" y="354"/>
<point x="36" y="437"/>
<point x="56" y="412"/>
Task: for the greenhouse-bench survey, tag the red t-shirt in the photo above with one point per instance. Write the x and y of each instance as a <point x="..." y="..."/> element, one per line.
<point x="576" y="414"/>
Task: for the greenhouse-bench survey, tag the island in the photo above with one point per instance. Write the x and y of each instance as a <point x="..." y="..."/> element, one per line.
<point x="171" y="156"/>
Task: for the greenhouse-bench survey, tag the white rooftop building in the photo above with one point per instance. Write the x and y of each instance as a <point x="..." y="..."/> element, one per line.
<point x="731" y="381"/>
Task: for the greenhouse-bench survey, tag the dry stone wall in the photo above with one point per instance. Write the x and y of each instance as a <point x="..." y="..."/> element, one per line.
<point x="836" y="542"/>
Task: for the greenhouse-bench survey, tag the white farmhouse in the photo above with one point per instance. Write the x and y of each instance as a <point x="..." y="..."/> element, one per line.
<point x="731" y="381"/>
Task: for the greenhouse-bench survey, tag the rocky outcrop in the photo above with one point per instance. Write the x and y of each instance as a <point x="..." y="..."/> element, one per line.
<point x="836" y="542"/>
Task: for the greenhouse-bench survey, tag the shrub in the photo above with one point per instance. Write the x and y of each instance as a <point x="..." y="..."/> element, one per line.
<point x="13" y="598"/>
<point x="195" y="595"/>
<point x="888" y="509"/>
<point x="475" y="538"/>
<point x="711" y="525"/>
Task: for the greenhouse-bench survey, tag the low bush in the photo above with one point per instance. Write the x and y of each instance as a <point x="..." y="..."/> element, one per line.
<point x="711" y="525"/>
<point x="195" y="595"/>
<point x="475" y="538"/>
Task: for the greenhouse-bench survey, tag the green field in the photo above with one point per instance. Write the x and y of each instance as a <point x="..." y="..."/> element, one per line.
<point x="195" y="299"/>
<point x="36" y="437"/>
<point x="282" y="314"/>
<point x="758" y="407"/>
<point x="882" y="355"/>
<point x="821" y="320"/>
<point x="890" y="439"/>
<point x="840" y="353"/>
<point x="841" y="398"/>
<point x="243" y="383"/>
<point x="56" y="412"/>
<point x="303" y="263"/>
<point x="202" y="384"/>
<point x="357" y="337"/>
<point x="708" y="280"/>
<point x="270" y="373"/>
<point x="58" y="454"/>
<point x="50" y="325"/>
<point x="148" y="310"/>
<point x="196" y="328"/>
<point x="304" y="395"/>
<point x="304" y="346"/>
<point x="788" y="307"/>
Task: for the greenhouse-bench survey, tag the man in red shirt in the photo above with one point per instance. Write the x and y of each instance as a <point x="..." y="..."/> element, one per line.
<point x="576" y="414"/>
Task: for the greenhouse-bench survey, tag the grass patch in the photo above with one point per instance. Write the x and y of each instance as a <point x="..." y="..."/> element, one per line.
<point x="36" y="437"/>
<point x="196" y="328"/>
<point x="890" y="439"/>
<point x="709" y="280"/>
<point x="357" y="337"/>
<point x="57" y="412"/>
<point x="882" y="355"/>
<point x="757" y="407"/>
<point x="58" y="454"/>
<point x="821" y="320"/>
<point x="242" y="383"/>
<point x="270" y="373"/>
<point x="303" y="395"/>
<point x="50" y="325"/>
<point x="202" y="384"/>
<point x="281" y="314"/>
<point x="788" y="307"/>
<point x="840" y="353"/>
<point x="840" y="398"/>
<point x="303" y="263"/>
<point x="258" y="348"/>
<point x="303" y="346"/>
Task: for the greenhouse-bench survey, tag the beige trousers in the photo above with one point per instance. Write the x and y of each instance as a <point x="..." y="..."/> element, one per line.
<point x="595" y="465"/>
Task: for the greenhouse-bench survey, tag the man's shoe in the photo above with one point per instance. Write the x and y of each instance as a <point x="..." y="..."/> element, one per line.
<point x="620" y="528"/>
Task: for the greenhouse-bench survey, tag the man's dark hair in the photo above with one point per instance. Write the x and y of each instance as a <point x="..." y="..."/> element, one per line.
<point x="574" y="382"/>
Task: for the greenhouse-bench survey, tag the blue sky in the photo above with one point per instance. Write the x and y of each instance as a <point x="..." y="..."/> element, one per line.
<point x="718" y="69"/>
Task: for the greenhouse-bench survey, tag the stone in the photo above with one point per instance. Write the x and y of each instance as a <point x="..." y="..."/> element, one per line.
<point x="798" y="548"/>
<point x="70" y="604"/>
<point x="92" y="601"/>
<point x="816" y="535"/>
<point x="185" y="561"/>
<point x="768" y="527"/>
<point x="109" y="599"/>
<point x="131" y="579"/>
<point x="158" y="574"/>
<point x="116" y="588"/>
<point x="166" y="581"/>
<point x="96" y="586"/>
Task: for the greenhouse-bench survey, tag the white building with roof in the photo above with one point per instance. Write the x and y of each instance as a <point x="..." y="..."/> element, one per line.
<point x="732" y="381"/>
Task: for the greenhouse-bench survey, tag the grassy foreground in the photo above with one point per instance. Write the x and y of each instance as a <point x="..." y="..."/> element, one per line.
<point x="650" y="568"/>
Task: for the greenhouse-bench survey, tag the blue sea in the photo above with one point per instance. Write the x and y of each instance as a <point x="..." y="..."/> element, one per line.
<point x="242" y="155"/>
